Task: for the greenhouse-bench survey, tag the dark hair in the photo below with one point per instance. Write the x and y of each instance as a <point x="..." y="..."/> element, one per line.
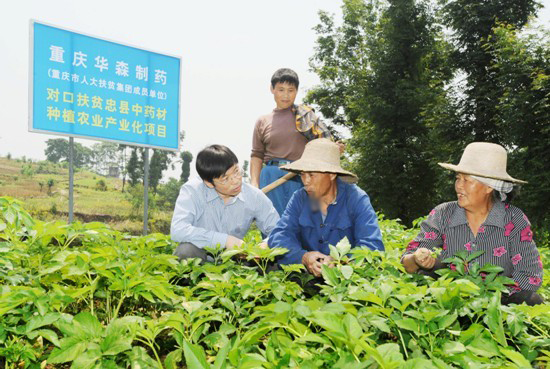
<point x="285" y="75"/>
<point x="509" y="196"/>
<point x="213" y="161"/>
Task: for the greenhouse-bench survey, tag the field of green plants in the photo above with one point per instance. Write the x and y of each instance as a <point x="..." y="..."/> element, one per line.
<point x="86" y="296"/>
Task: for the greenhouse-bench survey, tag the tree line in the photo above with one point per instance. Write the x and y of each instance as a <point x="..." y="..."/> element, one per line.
<point x="416" y="81"/>
<point x="123" y="161"/>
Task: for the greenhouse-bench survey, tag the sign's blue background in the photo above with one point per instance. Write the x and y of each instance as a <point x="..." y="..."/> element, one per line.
<point x="46" y="36"/>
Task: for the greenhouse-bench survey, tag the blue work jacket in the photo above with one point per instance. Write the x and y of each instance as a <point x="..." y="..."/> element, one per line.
<point x="302" y="229"/>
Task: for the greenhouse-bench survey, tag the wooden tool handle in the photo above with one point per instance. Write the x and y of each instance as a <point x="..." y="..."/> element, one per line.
<point x="278" y="182"/>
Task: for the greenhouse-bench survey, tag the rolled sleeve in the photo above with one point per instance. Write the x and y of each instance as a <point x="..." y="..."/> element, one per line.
<point x="186" y="212"/>
<point x="286" y="232"/>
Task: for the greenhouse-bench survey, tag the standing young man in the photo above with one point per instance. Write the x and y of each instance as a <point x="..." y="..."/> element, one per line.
<point x="218" y="208"/>
<point x="279" y="138"/>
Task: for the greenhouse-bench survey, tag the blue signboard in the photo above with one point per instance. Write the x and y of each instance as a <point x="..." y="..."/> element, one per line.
<point x="88" y="87"/>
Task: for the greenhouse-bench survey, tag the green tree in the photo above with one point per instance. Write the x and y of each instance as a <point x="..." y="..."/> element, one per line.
<point x="57" y="150"/>
<point x="245" y="170"/>
<point x="522" y="74"/>
<point x="50" y="184"/>
<point x="186" y="159"/>
<point x="134" y="168"/>
<point x="380" y="71"/>
<point x="168" y="194"/>
<point x="104" y="156"/>
<point x="123" y="164"/>
<point x="160" y="161"/>
<point x="472" y="23"/>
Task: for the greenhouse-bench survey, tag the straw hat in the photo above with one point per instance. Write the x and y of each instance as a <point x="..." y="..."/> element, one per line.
<point x="483" y="159"/>
<point x="321" y="155"/>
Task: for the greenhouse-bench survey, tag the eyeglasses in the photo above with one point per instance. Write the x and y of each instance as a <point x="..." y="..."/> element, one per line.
<point x="225" y="179"/>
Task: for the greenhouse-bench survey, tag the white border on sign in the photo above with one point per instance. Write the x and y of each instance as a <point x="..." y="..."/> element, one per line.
<point x="31" y="87"/>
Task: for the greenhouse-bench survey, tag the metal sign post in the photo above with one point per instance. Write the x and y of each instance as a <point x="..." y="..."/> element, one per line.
<point x="71" y="175"/>
<point x="145" y="190"/>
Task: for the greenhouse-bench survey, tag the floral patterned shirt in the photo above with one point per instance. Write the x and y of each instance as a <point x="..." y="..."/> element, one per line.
<point x="505" y="236"/>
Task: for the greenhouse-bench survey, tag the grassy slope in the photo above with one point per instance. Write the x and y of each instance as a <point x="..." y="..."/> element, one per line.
<point x="109" y="206"/>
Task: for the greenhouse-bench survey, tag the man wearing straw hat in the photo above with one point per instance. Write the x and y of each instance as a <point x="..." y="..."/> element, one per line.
<point x="327" y="209"/>
<point x="482" y="221"/>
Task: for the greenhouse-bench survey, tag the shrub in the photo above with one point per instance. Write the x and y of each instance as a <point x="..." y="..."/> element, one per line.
<point x="50" y="183"/>
<point x="27" y="170"/>
<point x="101" y="185"/>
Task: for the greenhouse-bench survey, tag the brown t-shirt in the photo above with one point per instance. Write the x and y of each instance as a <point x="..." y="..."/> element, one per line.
<point x="275" y="136"/>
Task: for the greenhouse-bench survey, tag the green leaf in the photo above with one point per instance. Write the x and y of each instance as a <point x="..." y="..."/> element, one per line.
<point x="408" y="324"/>
<point x="45" y="333"/>
<point x="484" y="345"/>
<point x="380" y="323"/>
<point x="173" y="358"/>
<point x="334" y="252"/>
<point x="228" y="304"/>
<point x="329" y="275"/>
<point x="140" y="360"/>
<point x="474" y="255"/>
<point x="343" y="246"/>
<point x="329" y="321"/>
<point x="352" y="326"/>
<point x="390" y="352"/>
<point x="194" y="356"/>
<point x="221" y="357"/>
<point x="89" y="324"/>
<point x="446" y="320"/>
<point x="516" y="358"/>
<point x="494" y="319"/>
<point x="228" y="254"/>
<point x="88" y="359"/>
<point x="116" y="341"/>
<point x="253" y="335"/>
<point x="490" y="268"/>
<point x="41" y="321"/>
<point x="418" y="363"/>
<point x="70" y="348"/>
<point x="453" y="347"/>
<point x="347" y="271"/>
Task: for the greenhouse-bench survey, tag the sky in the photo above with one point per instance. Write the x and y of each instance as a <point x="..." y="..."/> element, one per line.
<point x="228" y="49"/>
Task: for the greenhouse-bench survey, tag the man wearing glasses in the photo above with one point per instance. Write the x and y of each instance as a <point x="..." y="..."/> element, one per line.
<point x="218" y="208"/>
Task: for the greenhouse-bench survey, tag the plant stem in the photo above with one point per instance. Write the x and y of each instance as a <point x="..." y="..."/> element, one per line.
<point x="404" y="347"/>
<point x="115" y="314"/>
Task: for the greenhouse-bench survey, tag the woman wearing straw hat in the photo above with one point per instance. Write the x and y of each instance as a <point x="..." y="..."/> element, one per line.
<point x="481" y="219"/>
<point x="325" y="211"/>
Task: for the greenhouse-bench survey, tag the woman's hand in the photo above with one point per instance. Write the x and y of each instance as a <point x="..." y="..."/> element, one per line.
<point x="423" y="258"/>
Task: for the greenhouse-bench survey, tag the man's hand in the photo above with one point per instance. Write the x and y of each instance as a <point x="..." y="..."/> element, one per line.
<point x="314" y="260"/>
<point x="423" y="258"/>
<point x="232" y="242"/>
<point x="263" y="245"/>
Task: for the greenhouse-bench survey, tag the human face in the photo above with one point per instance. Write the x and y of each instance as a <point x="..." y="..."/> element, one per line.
<point x="471" y="194"/>
<point x="284" y="94"/>
<point x="318" y="185"/>
<point x="229" y="184"/>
